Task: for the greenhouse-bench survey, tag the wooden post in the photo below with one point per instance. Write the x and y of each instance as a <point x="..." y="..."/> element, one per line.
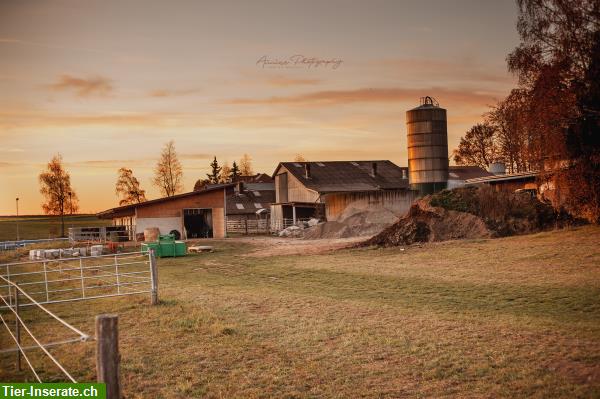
<point x="153" y="278"/>
<point x="17" y="326"/>
<point x="107" y="354"/>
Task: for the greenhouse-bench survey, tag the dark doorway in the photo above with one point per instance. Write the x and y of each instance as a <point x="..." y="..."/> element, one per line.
<point x="198" y="223"/>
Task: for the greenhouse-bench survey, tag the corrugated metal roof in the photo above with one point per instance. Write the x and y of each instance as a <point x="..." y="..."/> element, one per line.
<point x="505" y="177"/>
<point x="349" y="176"/>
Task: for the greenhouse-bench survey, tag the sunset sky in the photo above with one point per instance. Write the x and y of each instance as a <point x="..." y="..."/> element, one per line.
<point x="107" y="83"/>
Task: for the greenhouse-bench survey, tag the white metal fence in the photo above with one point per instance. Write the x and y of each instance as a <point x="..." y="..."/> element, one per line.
<point x="12" y="245"/>
<point x="102" y="234"/>
<point x="36" y="283"/>
<point x="12" y="300"/>
<point x="74" y="279"/>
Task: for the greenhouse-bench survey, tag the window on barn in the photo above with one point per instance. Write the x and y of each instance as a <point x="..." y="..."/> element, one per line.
<point x="257" y="205"/>
<point x="239" y="206"/>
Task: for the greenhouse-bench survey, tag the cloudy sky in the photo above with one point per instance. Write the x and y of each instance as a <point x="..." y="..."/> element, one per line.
<point x="107" y="83"/>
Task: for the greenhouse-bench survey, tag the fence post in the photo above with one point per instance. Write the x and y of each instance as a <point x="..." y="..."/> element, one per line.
<point x="17" y="327"/>
<point x="107" y="354"/>
<point x="153" y="278"/>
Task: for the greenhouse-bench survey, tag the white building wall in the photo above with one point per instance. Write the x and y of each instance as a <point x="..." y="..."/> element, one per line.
<point x="165" y="225"/>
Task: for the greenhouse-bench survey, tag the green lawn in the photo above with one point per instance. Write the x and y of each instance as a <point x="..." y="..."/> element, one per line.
<point x="511" y="317"/>
<point x="36" y="227"/>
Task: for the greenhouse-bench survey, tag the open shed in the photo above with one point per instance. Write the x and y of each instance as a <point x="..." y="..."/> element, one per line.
<point x="197" y="214"/>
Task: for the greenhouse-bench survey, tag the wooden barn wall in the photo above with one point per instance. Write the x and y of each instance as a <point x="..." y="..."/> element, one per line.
<point x="174" y="209"/>
<point x="297" y="192"/>
<point x="398" y="202"/>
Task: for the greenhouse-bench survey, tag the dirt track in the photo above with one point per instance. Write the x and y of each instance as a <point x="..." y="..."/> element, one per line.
<point x="273" y="246"/>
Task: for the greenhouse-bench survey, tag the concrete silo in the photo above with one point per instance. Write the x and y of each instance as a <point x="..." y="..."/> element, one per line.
<point x="427" y="137"/>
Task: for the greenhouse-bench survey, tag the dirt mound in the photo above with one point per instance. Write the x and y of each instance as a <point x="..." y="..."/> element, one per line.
<point x="424" y="223"/>
<point x="353" y="223"/>
<point x="471" y="213"/>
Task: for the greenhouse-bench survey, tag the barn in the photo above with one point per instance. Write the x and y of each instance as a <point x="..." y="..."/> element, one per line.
<point x="197" y="214"/>
<point x="324" y="190"/>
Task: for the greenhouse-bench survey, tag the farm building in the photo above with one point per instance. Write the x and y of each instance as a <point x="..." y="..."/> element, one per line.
<point x="459" y="175"/>
<point x="196" y="214"/>
<point x="325" y="189"/>
<point x="248" y="207"/>
<point x="508" y="182"/>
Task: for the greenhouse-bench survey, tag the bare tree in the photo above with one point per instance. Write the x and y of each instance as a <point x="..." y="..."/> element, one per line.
<point x="477" y="147"/>
<point x="168" y="174"/>
<point x="246" y="165"/>
<point x="516" y="146"/>
<point x="128" y="187"/>
<point x="55" y="186"/>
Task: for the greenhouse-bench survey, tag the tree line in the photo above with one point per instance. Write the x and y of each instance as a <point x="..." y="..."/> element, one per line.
<point x="61" y="199"/>
<point x="549" y="123"/>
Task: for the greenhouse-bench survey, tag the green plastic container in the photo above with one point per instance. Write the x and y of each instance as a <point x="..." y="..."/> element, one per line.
<point x="167" y="248"/>
<point x="180" y="248"/>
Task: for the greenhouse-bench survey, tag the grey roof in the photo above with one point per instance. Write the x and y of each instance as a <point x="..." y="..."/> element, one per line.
<point x="245" y="203"/>
<point x="348" y="176"/>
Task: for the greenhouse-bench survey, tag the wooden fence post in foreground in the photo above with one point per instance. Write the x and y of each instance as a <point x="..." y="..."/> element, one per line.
<point x="107" y="354"/>
<point x="153" y="278"/>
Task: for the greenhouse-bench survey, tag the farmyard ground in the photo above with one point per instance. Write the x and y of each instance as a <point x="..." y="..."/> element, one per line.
<point x="512" y="317"/>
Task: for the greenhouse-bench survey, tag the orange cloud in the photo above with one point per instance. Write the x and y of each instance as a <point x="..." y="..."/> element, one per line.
<point x="389" y="95"/>
<point x="83" y="87"/>
<point x="283" y="81"/>
<point x="172" y="93"/>
<point x="16" y="118"/>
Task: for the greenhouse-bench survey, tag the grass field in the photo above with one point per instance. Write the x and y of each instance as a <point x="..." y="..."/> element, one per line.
<point x="35" y="227"/>
<point x="511" y="317"/>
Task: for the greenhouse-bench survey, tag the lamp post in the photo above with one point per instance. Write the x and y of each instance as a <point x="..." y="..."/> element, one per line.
<point x="17" y="200"/>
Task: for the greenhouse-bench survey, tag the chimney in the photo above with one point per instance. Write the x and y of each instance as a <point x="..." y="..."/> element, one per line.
<point x="404" y="173"/>
<point x="374" y="169"/>
<point x="239" y="187"/>
<point x="307" y="170"/>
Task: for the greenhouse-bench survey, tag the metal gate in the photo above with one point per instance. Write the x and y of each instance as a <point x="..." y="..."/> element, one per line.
<point x="75" y="279"/>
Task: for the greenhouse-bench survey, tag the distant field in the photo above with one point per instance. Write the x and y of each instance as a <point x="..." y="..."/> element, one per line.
<point x="516" y="317"/>
<point x="34" y="227"/>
